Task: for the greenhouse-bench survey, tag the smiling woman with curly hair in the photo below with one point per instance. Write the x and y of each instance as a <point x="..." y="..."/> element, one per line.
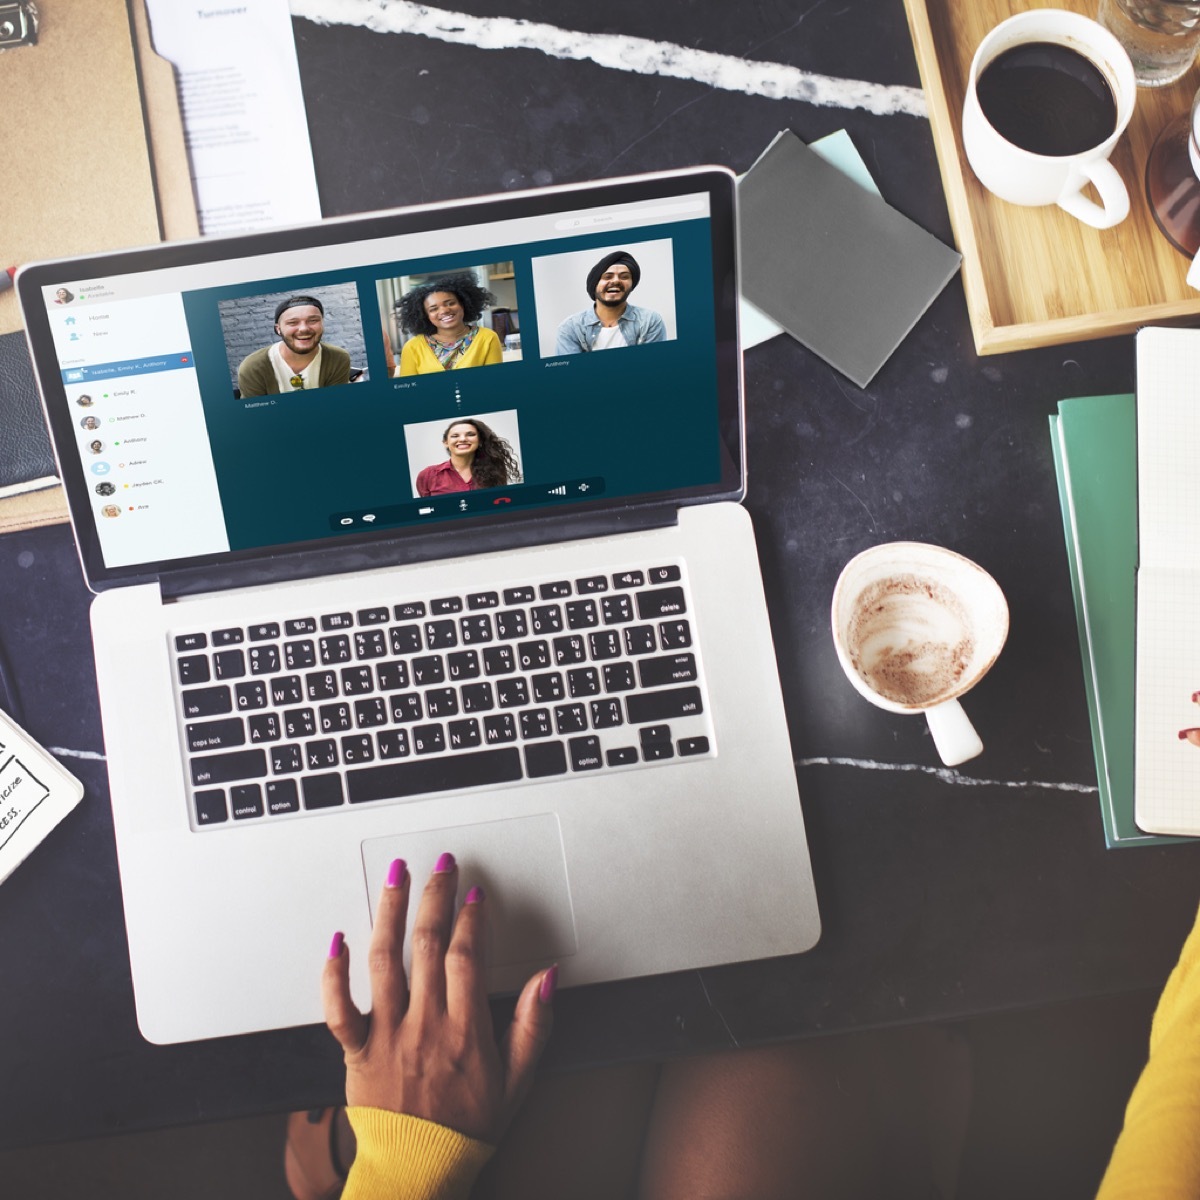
<point x="440" y="315"/>
<point x="479" y="458"/>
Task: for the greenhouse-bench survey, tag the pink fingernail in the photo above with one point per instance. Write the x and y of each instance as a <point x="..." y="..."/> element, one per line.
<point x="335" y="947"/>
<point x="445" y="864"/>
<point x="474" y="895"/>
<point x="549" y="985"/>
<point x="395" y="875"/>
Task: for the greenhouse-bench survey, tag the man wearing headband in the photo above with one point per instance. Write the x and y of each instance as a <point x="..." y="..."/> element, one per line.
<point x="299" y="361"/>
<point x="610" y="321"/>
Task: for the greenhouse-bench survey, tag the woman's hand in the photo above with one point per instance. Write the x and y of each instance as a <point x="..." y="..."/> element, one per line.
<point x="428" y="1049"/>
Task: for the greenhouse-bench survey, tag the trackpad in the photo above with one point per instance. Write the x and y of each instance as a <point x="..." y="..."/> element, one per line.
<point x="519" y="863"/>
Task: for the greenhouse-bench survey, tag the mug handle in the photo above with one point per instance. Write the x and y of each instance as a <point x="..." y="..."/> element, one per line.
<point x="1114" y="206"/>
<point x="953" y="734"/>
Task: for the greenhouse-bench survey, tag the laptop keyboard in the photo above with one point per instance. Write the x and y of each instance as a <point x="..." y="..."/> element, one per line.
<point x="552" y="679"/>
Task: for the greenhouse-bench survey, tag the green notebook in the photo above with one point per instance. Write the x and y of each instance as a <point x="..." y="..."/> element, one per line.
<point x="1095" y="459"/>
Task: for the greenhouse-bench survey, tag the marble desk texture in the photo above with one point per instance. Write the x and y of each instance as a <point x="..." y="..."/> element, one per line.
<point x="944" y="893"/>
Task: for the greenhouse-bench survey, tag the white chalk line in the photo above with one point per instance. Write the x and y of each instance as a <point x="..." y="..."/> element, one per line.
<point x="63" y="752"/>
<point x="618" y="52"/>
<point x="948" y="775"/>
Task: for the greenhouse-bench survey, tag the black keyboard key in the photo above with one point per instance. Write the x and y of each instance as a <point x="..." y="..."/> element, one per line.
<point x="546" y="758"/>
<point x="475" y="629"/>
<point x="428" y="739"/>
<point x="464" y="735"/>
<point x="569" y="650"/>
<point x="357" y="681"/>
<point x="264" y="727"/>
<point x="535" y="723"/>
<point x="585" y="753"/>
<point x="300" y="625"/>
<point x="246" y="801"/>
<point x="605" y="643"/>
<point x="570" y="718"/>
<point x="321" y="754"/>
<point x="498" y="660"/>
<point x="477" y="697"/>
<point x="662" y="706"/>
<point x="512" y="693"/>
<point x="657" y="751"/>
<point x="582" y="614"/>
<point x="370" y="643"/>
<point x="370" y="713"/>
<point x="299" y="655"/>
<point x="663" y="575"/>
<point x="211" y="808"/>
<point x="286" y="760"/>
<point x="406" y="707"/>
<point x="546" y="618"/>
<point x="640" y="639"/>
<point x="333" y="621"/>
<point x="693" y="745"/>
<point x="373" y="616"/>
<point x="628" y="579"/>
<point x="500" y="728"/>
<point x="358" y="748"/>
<point x="393" y="743"/>
<point x="555" y="591"/>
<point x="229" y="664"/>
<point x="227" y="637"/>
<point x="654" y="733"/>
<point x="283" y="796"/>
<point x="533" y="656"/>
<point x="216" y="735"/>
<point x="582" y="682"/>
<point x="478" y="600"/>
<point x="265" y="632"/>
<point x="447" y="604"/>
<point x="661" y="602"/>
<point x="593" y="583"/>
<point x="623" y="756"/>
<point x="607" y="713"/>
<point x="286" y="689"/>
<point x="321" y="685"/>
<point x="334" y="649"/>
<point x="264" y="660"/>
<point x="185" y="642"/>
<point x="518" y="595"/>
<point x="389" y="781"/>
<point x="429" y="669"/>
<point x="441" y="702"/>
<point x="675" y="635"/>
<point x="322" y="791"/>
<point x="335" y="718"/>
<point x="672" y="668"/>
<point x="299" y="722"/>
<point x="463" y="664"/>
<point x="614" y="610"/>
<point x="618" y="677"/>
<point x="207" y="702"/>
<point x="225" y="768"/>
<point x="392" y="676"/>
<point x="406" y="639"/>
<point x="409" y="612"/>
<point x="251" y="695"/>
<point x="194" y="669"/>
<point x="511" y="624"/>
<point x="548" y="687"/>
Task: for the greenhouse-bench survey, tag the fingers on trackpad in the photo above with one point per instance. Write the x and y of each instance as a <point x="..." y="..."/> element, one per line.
<point x="519" y="863"/>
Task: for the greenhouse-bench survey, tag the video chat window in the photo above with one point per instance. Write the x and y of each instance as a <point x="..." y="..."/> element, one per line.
<point x="451" y="319"/>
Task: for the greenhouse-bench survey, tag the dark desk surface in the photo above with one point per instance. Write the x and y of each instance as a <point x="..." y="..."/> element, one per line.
<point x="942" y="894"/>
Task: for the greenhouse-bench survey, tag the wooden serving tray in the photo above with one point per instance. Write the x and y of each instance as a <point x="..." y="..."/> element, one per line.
<point x="1035" y="276"/>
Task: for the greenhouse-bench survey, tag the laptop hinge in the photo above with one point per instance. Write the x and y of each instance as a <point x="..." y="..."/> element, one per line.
<point x="346" y="558"/>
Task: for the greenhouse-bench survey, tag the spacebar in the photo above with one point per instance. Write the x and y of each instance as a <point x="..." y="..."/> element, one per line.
<point x="387" y="781"/>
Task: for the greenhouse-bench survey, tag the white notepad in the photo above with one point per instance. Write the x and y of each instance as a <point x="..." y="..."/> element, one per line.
<point x="1167" y="766"/>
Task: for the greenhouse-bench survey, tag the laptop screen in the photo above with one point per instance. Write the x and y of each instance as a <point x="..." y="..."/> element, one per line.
<point x="471" y="366"/>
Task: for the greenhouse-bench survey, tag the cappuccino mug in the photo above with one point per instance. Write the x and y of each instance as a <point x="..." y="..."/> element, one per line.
<point x="915" y="626"/>
<point x="1048" y="96"/>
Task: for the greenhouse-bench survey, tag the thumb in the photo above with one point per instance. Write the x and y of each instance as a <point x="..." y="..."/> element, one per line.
<point x="527" y="1036"/>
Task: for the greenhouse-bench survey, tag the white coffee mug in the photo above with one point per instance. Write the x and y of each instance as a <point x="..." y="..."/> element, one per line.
<point x="1022" y="177"/>
<point x="915" y="626"/>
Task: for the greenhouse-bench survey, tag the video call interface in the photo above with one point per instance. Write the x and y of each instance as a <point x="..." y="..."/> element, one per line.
<point x="414" y="380"/>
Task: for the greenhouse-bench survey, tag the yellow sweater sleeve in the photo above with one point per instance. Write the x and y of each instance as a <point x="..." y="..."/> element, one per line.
<point x="1157" y="1156"/>
<point x="408" y="1158"/>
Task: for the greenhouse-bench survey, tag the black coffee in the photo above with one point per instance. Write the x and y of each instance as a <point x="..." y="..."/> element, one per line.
<point x="1047" y="99"/>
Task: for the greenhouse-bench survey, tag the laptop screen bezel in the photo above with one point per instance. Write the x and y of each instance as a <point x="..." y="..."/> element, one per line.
<point x="468" y="534"/>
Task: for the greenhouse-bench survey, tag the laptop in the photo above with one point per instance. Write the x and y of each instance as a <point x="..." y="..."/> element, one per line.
<point x="504" y="603"/>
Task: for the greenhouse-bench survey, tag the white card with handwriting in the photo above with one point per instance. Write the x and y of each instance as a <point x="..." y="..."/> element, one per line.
<point x="36" y="792"/>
